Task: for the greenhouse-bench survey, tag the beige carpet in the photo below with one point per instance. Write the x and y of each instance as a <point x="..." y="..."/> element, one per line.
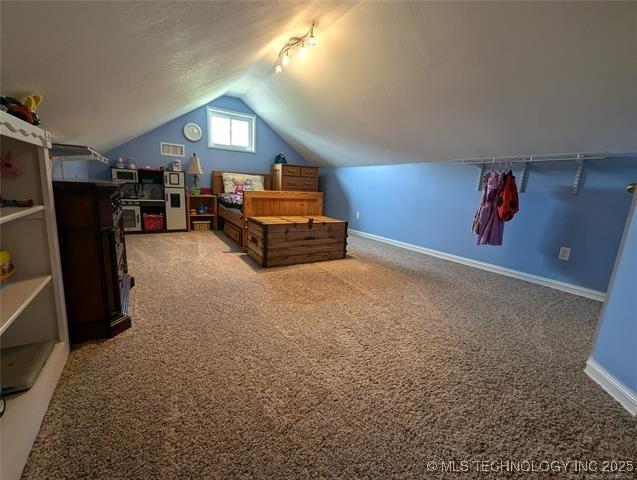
<point x="368" y="367"/>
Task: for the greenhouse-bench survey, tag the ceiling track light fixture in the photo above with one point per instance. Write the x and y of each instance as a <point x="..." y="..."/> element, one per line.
<point x="295" y="43"/>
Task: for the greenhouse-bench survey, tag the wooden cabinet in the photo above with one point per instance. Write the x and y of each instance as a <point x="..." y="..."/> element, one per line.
<point x="93" y="251"/>
<point x="294" y="178"/>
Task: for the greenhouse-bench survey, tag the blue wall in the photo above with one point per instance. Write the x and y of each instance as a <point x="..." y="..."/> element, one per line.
<point x="145" y="148"/>
<point x="616" y="345"/>
<point x="432" y="205"/>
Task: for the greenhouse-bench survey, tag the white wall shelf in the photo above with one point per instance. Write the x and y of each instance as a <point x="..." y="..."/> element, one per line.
<point x="62" y="153"/>
<point x="17" y="295"/>
<point x="77" y="153"/>
<point x="524" y="160"/>
<point x="8" y="214"/>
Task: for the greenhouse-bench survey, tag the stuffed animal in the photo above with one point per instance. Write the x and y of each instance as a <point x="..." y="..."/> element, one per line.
<point x="10" y="167"/>
<point x="32" y="102"/>
<point x="238" y="189"/>
<point x="23" y="110"/>
<point x="16" y="108"/>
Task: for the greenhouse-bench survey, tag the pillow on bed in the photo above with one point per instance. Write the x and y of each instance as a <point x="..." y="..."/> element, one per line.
<point x="240" y="182"/>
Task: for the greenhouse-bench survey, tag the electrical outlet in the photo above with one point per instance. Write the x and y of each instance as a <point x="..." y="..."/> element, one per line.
<point x="358" y="215"/>
<point x="565" y="253"/>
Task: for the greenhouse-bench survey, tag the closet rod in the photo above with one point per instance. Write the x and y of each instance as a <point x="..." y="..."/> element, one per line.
<point x="525" y="160"/>
<point x="532" y="158"/>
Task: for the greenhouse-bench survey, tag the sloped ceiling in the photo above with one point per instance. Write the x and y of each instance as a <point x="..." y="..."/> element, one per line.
<point x="430" y="81"/>
<point x="390" y="82"/>
<point x="110" y="71"/>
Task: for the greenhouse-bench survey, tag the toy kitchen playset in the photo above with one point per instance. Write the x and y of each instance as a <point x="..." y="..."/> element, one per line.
<point x="152" y="200"/>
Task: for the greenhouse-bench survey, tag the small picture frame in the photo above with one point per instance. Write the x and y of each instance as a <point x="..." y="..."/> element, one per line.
<point x="176" y="165"/>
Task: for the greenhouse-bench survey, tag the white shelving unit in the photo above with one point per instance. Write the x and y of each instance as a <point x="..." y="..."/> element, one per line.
<point x="17" y="296"/>
<point x="8" y="214"/>
<point x="32" y="307"/>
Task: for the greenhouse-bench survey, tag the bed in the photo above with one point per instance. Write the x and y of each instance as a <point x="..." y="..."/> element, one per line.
<point x="234" y="211"/>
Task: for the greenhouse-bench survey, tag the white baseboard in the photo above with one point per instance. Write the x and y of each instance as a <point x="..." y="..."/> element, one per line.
<point x="547" y="282"/>
<point x="614" y="387"/>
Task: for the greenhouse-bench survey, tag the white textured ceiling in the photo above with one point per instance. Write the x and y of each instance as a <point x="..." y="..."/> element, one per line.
<point x="430" y="81"/>
<point x="110" y="71"/>
<point x="390" y="82"/>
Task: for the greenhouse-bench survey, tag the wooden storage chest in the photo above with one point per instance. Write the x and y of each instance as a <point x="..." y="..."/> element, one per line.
<point x="294" y="177"/>
<point x="274" y="241"/>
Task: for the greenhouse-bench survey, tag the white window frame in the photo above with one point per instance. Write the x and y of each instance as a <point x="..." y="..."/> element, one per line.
<point x="252" y="120"/>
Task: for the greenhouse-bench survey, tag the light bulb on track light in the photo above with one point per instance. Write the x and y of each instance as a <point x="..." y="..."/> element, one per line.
<point x="298" y="44"/>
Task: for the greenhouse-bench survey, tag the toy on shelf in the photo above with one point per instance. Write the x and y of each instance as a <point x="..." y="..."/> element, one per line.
<point x="6" y="267"/>
<point x="32" y="102"/>
<point x="23" y="110"/>
<point x="15" y="203"/>
<point x="10" y="167"/>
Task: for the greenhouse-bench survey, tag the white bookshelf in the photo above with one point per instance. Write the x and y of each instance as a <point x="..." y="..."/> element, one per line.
<point x="17" y="296"/>
<point x="32" y="302"/>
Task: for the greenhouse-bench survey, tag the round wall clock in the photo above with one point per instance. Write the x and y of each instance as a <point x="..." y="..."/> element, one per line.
<point x="192" y="132"/>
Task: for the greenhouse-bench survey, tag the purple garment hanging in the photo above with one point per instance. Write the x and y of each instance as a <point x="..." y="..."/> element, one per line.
<point x="487" y="225"/>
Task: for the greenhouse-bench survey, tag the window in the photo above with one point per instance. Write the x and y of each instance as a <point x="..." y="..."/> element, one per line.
<point x="231" y="130"/>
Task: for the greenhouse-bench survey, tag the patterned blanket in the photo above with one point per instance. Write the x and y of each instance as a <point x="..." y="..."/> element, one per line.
<point x="231" y="200"/>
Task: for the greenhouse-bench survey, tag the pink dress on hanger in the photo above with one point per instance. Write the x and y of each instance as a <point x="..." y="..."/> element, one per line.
<point x="488" y="227"/>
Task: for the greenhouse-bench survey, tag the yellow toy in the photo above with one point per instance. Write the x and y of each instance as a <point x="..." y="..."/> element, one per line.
<point x="6" y="267"/>
<point x="32" y="102"/>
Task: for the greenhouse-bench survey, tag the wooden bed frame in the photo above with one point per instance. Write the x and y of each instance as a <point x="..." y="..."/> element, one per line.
<point x="265" y="203"/>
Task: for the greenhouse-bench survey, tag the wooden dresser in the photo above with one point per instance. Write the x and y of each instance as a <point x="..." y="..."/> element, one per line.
<point x="294" y="178"/>
<point x="93" y="251"/>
